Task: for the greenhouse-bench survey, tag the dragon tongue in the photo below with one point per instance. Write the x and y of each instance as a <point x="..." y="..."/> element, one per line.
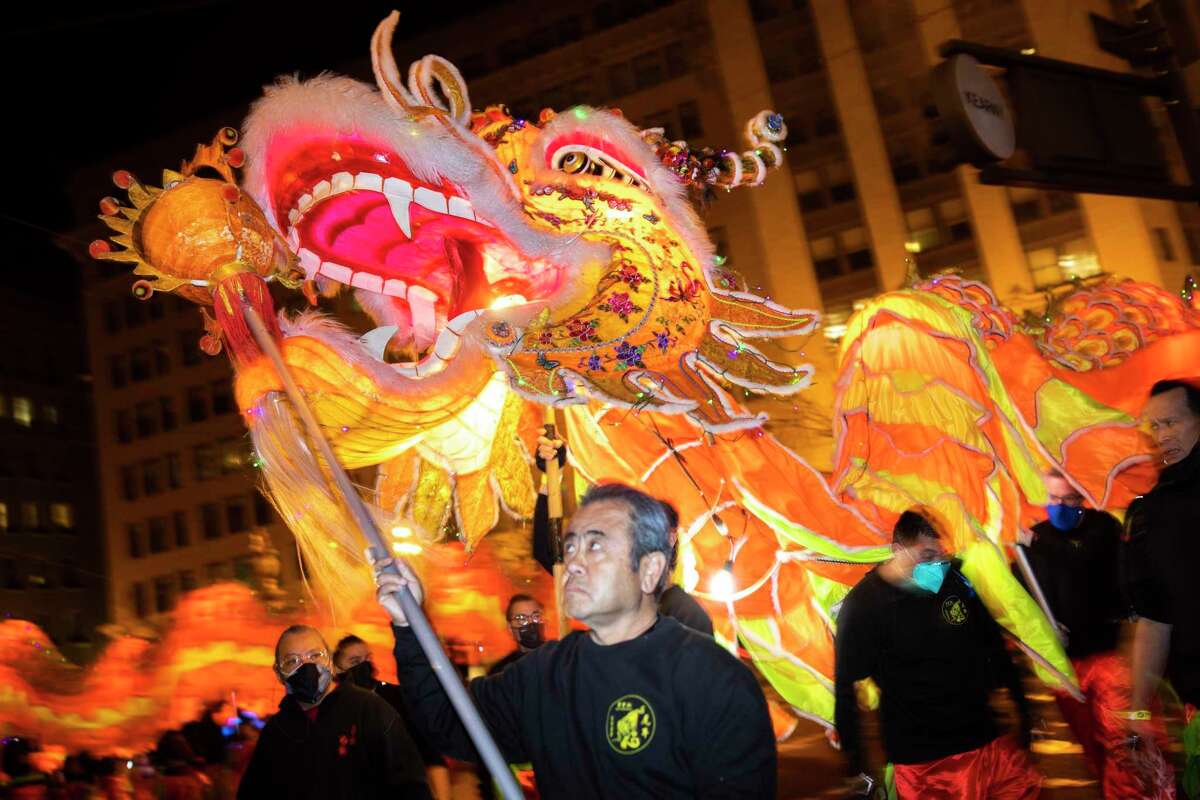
<point x="423" y="303"/>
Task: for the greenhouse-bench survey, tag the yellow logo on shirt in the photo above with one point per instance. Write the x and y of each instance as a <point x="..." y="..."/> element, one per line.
<point x="630" y="724"/>
<point x="954" y="610"/>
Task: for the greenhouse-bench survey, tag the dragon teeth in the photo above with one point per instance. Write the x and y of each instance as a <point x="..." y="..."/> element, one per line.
<point x="342" y="182"/>
<point x="434" y="201"/>
<point x="399" y="207"/>
<point x="336" y="272"/>
<point x="395" y="288"/>
<point x="394" y="187"/>
<point x="365" y="280"/>
<point x="460" y="208"/>
<point x="369" y="181"/>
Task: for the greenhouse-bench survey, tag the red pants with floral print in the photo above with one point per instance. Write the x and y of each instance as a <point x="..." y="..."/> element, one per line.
<point x="1000" y="770"/>
<point x="1124" y="772"/>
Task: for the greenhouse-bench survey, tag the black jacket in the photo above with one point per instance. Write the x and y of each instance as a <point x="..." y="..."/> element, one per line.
<point x="669" y="714"/>
<point x="356" y="749"/>
<point x="936" y="659"/>
<point x="1077" y="570"/>
<point x="1162" y="566"/>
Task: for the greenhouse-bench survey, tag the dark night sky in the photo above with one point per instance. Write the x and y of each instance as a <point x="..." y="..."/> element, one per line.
<point x="85" y="80"/>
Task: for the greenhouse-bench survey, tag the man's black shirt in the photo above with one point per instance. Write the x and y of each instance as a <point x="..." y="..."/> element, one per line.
<point x="934" y="657"/>
<point x="1162" y="566"/>
<point x="668" y="714"/>
<point x="1077" y="570"/>
<point x="506" y="662"/>
<point x="356" y="748"/>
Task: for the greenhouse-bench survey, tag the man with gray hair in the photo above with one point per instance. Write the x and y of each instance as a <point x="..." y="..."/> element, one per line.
<point x="636" y="706"/>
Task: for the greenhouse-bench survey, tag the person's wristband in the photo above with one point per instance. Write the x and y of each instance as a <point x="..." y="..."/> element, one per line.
<point x="1134" y="716"/>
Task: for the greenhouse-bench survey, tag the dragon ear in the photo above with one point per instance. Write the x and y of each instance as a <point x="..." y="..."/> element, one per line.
<point x="449" y="95"/>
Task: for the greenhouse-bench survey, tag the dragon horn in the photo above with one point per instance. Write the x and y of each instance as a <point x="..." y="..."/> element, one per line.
<point x="383" y="62"/>
<point x="749" y="168"/>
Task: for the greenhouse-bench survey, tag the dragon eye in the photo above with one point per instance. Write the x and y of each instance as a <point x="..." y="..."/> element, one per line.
<point x="574" y="162"/>
<point x="577" y="159"/>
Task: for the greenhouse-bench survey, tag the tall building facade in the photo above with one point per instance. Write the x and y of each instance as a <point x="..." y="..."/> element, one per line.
<point x="51" y="559"/>
<point x="873" y="179"/>
<point x="181" y="506"/>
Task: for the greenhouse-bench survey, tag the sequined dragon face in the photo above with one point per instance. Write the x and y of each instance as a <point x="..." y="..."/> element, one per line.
<point x="567" y="251"/>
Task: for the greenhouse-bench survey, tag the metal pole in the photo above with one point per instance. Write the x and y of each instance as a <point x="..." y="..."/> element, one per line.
<point x="428" y="640"/>
<point x="554" y="509"/>
<point x="1032" y="582"/>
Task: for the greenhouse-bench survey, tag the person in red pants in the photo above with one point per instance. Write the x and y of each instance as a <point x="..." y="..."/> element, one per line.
<point x="918" y="629"/>
<point x="1074" y="555"/>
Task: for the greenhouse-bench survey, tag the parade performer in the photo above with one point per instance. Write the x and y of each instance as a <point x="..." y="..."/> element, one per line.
<point x="916" y="627"/>
<point x="637" y="706"/>
<point x="1074" y="558"/>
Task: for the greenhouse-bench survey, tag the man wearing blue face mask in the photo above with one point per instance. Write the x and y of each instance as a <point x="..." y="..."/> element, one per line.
<point x="915" y="626"/>
<point x="1074" y="555"/>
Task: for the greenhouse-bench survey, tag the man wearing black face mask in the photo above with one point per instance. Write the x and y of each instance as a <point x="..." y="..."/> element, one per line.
<point x="328" y="742"/>
<point x="528" y="629"/>
<point x="353" y="664"/>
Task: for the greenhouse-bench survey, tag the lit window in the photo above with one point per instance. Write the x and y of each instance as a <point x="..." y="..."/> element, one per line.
<point x="923" y="233"/>
<point x="3" y="517"/>
<point x="62" y="516"/>
<point x="1043" y="266"/>
<point x="23" y="411"/>
<point x="1076" y="259"/>
<point x="30" y="518"/>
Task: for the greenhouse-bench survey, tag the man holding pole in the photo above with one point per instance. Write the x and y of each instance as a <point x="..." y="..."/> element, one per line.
<point x="1073" y="560"/>
<point x="637" y="706"/>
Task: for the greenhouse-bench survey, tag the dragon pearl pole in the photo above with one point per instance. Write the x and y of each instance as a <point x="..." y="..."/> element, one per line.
<point x="472" y="721"/>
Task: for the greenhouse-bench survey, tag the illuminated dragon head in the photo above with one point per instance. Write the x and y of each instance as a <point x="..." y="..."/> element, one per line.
<point x="437" y="217"/>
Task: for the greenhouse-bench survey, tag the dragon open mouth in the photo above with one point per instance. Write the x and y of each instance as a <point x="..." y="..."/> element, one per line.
<point x="355" y="214"/>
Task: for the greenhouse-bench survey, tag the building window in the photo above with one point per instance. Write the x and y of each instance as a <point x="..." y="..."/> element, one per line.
<point x="1061" y="202"/>
<point x="837" y="177"/>
<point x="923" y="233"/>
<point x="135" y="312"/>
<point x="210" y="518"/>
<point x="129" y="483"/>
<point x="262" y="509"/>
<point x="207" y="461"/>
<point x="179" y="522"/>
<point x="664" y="120"/>
<point x="189" y="349"/>
<point x="3" y="516"/>
<point x="139" y="365"/>
<point x="137" y="536"/>
<point x="153" y="477"/>
<point x="162" y="595"/>
<point x="31" y="517"/>
<point x="118" y="371"/>
<point x="10" y="575"/>
<point x="690" y="126"/>
<point x="62" y="516"/>
<point x="1190" y="235"/>
<point x="825" y="124"/>
<point x="906" y="172"/>
<point x="648" y="70"/>
<point x="158" y="534"/>
<point x="676" y="55"/>
<point x="825" y="258"/>
<point x="112" y="317"/>
<point x="954" y="218"/>
<point x="71" y="578"/>
<point x="222" y="397"/>
<point x="809" y="191"/>
<point x="187" y="580"/>
<point x="620" y="79"/>
<point x="50" y="415"/>
<point x="197" y="404"/>
<point x="174" y="470"/>
<point x="233" y="455"/>
<point x="145" y="419"/>
<point x="123" y="422"/>
<point x="166" y="410"/>
<point x="138" y="590"/>
<point x="214" y="571"/>
<point x="235" y="515"/>
<point x="162" y="358"/>
<point x="1026" y="204"/>
<point x="22" y="408"/>
<point x="857" y="249"/>
<point x="1166" y="251"/>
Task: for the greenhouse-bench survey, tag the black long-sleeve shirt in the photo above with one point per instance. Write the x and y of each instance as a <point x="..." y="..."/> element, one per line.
<point x="934" y="657"/>
<point x="356" y="748"/>
<point x="1161" y="566"/>
<point x="668" y="714"/>
<point x="1077" y="570"/>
